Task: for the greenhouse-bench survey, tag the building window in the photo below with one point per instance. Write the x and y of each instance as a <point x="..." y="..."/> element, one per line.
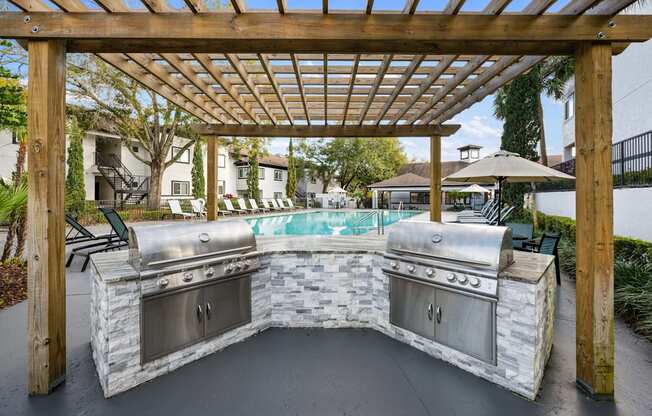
<point x="419" y="197"/>
<point x="464" y="154"/>
<point x="261" y="174"/>
<point x="134" y="149"/>
<point x="573" y="152"/>
<point x="475" y="154"/>
<point x="185" y="156"/>
<point x="221" y="185"/>
<point x="569" y="107"/>
<point x="278" y="175"/>
<point x="313" y="180"/>
<point x="243" y="172"/>
<point x="14" y="137"/>
<point x="278" y="195"/>
<point x="180" y="188"/>
<point x="221" y="161"/>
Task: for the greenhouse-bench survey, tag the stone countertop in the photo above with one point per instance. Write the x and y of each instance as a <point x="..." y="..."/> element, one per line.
<point x="527" y="267"/>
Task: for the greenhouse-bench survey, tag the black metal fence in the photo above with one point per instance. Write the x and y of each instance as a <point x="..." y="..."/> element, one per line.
<point x="631" y="165"/>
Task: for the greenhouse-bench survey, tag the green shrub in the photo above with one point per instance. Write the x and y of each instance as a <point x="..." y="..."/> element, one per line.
<point x="633" y="293"/>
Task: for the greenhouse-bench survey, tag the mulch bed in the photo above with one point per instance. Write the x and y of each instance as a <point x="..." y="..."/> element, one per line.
<point x="13" y="283"/>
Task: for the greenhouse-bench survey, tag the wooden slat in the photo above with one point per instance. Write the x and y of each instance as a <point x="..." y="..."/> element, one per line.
<point x="251" y="85"/>
<point x="266" y="130"/>
<point x="398" y="88"/>
<point x="442" y="66"/>
<point x="324" y="6"/>
<point x="299" y="78"/>
<point x="218" y="76"/>
<point x="31" y="5"/>
<point x="113" y="6"/>
<point x="496" y="6"/>
<point x="370" y="6"/>
<point x="282" y="6"/>
<point x="158" y="6"/>
<point x="159" y="72"/>
<point x="149" y="81"/>
<point x="387" y="60"/>
<point x="71" y="6"/>
<point x="46" y="276"/>
<point x="435" y="178"/>
<point x="453" y="6"/>
<point x="410" y="6"/>
<point x="335" y="33"/>
<point x="212" y="173"/>
<point x="239" y="6"/>
<point x="267" y="67"/>
<point x="325" y="67"/>
<point x="197" y="6"/>
<point x="185" y="70"/>
<point x="354" y="74"/>
<point x="579" y="6"/>
<point x="594" y="200"/>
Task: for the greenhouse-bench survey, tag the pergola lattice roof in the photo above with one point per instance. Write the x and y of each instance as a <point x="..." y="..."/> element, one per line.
<point x="357" y="89"/>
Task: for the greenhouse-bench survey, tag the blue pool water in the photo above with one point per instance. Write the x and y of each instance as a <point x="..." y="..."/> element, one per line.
<point x="324" y="222"/>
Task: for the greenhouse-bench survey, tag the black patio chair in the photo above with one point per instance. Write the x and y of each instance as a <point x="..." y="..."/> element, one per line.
<point x="119" y="230"/>
<point x="521" y="233"/>
<point x="547" y="244"/>
<point x="80" y="234"/>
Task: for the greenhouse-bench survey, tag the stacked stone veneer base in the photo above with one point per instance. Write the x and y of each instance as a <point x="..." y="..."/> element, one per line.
<point x="326" y="291"/>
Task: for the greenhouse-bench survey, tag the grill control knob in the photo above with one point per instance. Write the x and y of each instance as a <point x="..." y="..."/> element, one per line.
<point x="210" y="272"/>
<point x="239" y="266"/>
<point x="475" y="282"/>
<point x="451" y="277"/>
<point x="463" y="280"/>
<point x="430" y="272"/>
<point x="187" y="276"/>
<point x="411" y="268"/>
<point x="163" y="282"/>
<point x="229" y="268"/>
<point x="393" y="265"/>
<point x="246" y="264"/>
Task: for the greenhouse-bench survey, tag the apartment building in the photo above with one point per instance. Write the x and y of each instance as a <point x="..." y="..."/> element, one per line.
<point x="113" y="171"/>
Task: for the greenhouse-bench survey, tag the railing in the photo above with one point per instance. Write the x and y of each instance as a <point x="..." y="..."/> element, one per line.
<point x="380" y="222"/>
<point x="631" y="165"/>
<point x="121" y="179"/>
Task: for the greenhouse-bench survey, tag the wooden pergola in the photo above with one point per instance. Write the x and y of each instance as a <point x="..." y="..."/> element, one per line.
<point x="322" y="73"/>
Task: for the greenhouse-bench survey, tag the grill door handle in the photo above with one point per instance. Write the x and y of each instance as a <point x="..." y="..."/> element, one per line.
<point x="200" y="314"/>
<point x="438" y="313"/>
<point x="430" y="312"/>
<point x="208" y="310"/>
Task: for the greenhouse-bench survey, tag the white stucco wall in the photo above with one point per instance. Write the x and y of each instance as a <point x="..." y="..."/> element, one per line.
<point x="8" y="152"/>
<point x="631" y="209"/>
<point x="268" y="185"/>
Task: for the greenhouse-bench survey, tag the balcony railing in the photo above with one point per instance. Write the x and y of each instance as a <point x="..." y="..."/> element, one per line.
<point x="631" y="165"/>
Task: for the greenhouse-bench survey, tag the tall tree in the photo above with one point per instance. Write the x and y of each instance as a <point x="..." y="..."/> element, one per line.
<point x="253" y="184"/>
<point x="133" y="113"/>
<point x="291" y="185"/>
<point x="197" y="172"/>
<point x="75" y="187"/>
<point x="353" y="162"/>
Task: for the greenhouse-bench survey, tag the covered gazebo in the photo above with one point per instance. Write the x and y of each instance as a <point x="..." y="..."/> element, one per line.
<point x="322" y="73"/>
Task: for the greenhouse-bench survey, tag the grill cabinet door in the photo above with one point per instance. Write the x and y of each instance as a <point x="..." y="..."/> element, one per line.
<point x="412" y="306"/>
<point x="465" y="323"/>
<point x="227" y="305"/>
<point x="170" y="322"/>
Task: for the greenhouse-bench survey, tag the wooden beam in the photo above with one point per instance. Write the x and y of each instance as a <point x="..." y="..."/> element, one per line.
<point x="46" y="275"/>
<point x="250" y="84"/>
<point x="158" y="6"/>
<point x="211" y="191"/>
<point x="453" y="6"/>
<point x="113" y="6"/>
<point x="31" y="5"/>
<point x="354" y="74"/>
<point x="370" y="6"/>
<point x="238" y="6"/>
<point x="380" y="75"/>
<point x="71" y="6"/>
<point x="435" y="178"/>
<point x="398" y="88"/>
<point x="282" y="6"/>
<point x="410" y="6"/>
<point x="267" y="67"/>
<point x="333" y="33"/>
<point x="299" y="78"/>
<point x="325" y="131"/>
<point x="325" y="68"/>
<point x="594" y="200"/>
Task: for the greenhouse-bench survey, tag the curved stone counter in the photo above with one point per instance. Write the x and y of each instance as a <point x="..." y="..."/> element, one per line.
<point x="330" y="282"/>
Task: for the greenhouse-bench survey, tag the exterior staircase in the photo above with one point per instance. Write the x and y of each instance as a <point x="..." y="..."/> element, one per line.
<point x="132" y="188"/>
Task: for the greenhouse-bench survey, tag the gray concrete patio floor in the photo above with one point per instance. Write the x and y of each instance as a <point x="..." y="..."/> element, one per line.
<point x="316" y="372"/>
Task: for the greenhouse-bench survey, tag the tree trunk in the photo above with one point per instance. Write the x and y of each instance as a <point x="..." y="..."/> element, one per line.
<point x="157" y="168"/>
<point x="542" y="134"/>
<point x="21" y="229"/>
<point x="9" y="241"/>
<point x="17" y="223"/>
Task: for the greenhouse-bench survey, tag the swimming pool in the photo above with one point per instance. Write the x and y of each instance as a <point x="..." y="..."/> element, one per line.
<point x="324" y="222"/>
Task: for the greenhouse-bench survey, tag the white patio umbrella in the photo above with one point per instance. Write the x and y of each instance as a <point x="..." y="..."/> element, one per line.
<point x="475" y="189"/>
<point x="337" y="190"/>
<point x="506" y="166"/>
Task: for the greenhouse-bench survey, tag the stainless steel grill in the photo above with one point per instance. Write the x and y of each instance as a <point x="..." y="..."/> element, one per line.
<point x="444" y="282"/>
<point x="201" y="281"/>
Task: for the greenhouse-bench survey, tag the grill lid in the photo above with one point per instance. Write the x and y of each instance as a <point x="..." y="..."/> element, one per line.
<point x="161" y="246"/>
<point x="469" y="246"/>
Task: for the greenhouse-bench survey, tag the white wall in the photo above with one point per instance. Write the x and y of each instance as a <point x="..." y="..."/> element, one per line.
<point x="8" y="153"/>
<point x="268" y="185"/>
<point x="632" y="208"/>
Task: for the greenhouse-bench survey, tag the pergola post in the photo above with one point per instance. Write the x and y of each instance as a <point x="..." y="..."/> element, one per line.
<point x="435" y="178"/>
<point x="594" y="232"/>
<point x="46" y="278"/>
<point x="211" y="192"/>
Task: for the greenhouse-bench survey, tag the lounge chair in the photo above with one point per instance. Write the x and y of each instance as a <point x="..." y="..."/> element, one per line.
<point x="268" y="206"/>
<point x="80" y="234"/>
<point x="290" y="204"/>
<point x="277" y="206"/>
<point x="243" y="205"/>
<point x="492" y="220"/>
<point x="254" y="205"/>
<point x="229" y="207"/>
<point x="119" y="229"/>
<point x="175" y="207"/>
<point x="198" y="206"/>
<point x="547" y="244"/>
<point x="281" y="204"/>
